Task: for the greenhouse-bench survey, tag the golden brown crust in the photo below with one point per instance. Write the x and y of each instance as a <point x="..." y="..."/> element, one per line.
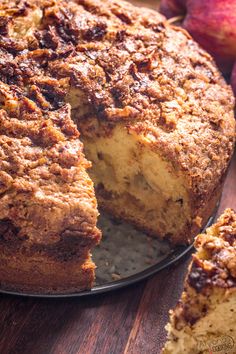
<point x="212" y="271"/>
<point x="131" y="66"/>
<point x="37" y="273"/>
<point x="204" y="318"/>
<point x="217" y="268"/>
<point x="43" y="172"/>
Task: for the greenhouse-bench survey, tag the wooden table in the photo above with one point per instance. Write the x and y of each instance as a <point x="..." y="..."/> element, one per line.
<point x="128" y="321"/>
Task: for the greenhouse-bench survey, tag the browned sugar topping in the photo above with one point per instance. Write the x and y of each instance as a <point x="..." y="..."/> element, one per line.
<point x="128" y="65"/>
<point x="215" y="262"/>
<point x="122" y="58"/>
<point x="212" y="273"/>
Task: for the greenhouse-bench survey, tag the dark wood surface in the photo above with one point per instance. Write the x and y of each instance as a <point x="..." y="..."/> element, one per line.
<point x="128" y="321"/>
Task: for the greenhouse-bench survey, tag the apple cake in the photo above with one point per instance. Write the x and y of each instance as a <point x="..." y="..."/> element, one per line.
<point x="119" y="86"/>
<point x="204" y="320"/>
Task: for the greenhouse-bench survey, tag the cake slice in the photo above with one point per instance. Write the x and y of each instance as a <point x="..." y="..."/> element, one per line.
<point x="204" y="320"/>
<point x="48" y="211"/>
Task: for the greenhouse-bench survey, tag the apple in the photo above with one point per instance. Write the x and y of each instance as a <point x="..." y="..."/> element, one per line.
<point x="172" y="8"/>
<point x="212" y="23"/>
<point x="233" y="79"/>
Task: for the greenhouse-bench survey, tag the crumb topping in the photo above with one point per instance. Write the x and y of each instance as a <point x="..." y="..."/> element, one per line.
<point x="211" y="275"/>
<point x="128" y="65"/>
<point x="122" y="64"/>
<point x="215" y="261"/>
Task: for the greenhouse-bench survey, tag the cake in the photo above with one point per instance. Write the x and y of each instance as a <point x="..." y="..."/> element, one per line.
<point x="204" y="320"/>
<point x="102" y="96"/>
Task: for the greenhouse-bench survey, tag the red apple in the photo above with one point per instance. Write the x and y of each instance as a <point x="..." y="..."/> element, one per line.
<point x="212" y="23"/>
<point x="172" y="8"/>
<point x="233" y="79"/>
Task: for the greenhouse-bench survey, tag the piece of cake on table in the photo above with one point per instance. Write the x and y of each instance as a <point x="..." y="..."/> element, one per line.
<point x="204" y="320"/>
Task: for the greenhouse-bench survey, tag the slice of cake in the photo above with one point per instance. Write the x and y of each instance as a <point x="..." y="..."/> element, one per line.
<point x="204" y="320"/>
<point x="48" y="211"/>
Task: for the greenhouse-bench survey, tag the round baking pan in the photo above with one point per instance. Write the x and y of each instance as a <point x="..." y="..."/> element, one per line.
<point x="124" y="258"/>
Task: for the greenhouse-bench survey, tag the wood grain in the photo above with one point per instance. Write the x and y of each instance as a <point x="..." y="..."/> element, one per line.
<point x="129" y="321"/>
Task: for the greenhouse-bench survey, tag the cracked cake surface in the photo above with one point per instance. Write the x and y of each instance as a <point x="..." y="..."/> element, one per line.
<point x="91" y="70"/>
